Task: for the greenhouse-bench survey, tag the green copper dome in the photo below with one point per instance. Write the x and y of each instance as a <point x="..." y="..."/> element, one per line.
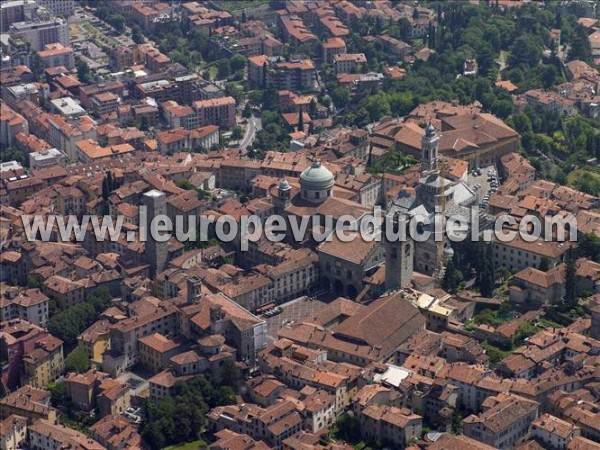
<point x="316" y="177"/>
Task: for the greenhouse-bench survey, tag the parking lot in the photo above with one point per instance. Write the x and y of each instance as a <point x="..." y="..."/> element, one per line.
<point x="293" y="311"/>
<point x="487" y="180"/>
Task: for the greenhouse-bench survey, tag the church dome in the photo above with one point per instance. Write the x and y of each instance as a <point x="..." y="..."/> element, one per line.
<point x="284" y="185"/>
<point x="316" y="177"/>
<point x="429" y="130"/>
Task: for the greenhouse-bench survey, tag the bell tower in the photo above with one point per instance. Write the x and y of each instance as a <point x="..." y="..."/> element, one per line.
<point x="284" y="195"/>
<point x="399" y="252"/>
<point x="429" y="149"/>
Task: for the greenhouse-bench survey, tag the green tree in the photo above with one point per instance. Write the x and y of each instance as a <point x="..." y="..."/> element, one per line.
<point x="237" y="133"/>
<point x="452" y="277"/>
<point x="105" y="188"/>
<point x="185" y="184"/>
<point x="526" y="51"/>
<point x="69" y="323"/>
<point x="137" y="35"/>
<point x="229" y="374"/>
<point x="570" y="300"/>
<point x="83" y="72"/>
<point x="77" y="361"/>
<point x="32" y="282"/>
<point x="589" y="246"/>
<point x="485" y="271"/>
<point x="247" y="112"/>
<point x="348" y="428"/>
<point x="237" y="62"/>
<point x="181" y="417"/>
<point x="545" y="264"/>
<point x="340" y="97"/>
<point x="58" y="393"/>
<point x="580" y="45"/>
<point x="223" y="69"/>
<point x="14" y="154"/>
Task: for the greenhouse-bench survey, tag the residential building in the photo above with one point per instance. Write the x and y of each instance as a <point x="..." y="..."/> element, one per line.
<point x="47" y="158"/>
<point x="29" y="402"/>
<point x="216" y="111"/>
<point x="30" y="305"/>
<point x="63" y="8"/>
<point x="332" y="47"/>
<point x="158" y="317"/>
<point x="44" y="363"/>
<point x="113" y="431"/>
<point x="518" y="254"/>
<point x="297" y="75"/>
<point x="155" y="351"/>
<point x="504" y="423"/>
<point x="41" y="33"/>
<point x="64" y="291"/>
<point x="172" y="141"/>
<point x="104" y="103"/>
<point x="11" y="124"/>
<point x="64" y="135"/>
<point x="15" y="11"/>
<point x="89" y="150"/>
<point x="96" y="340"/>
<point x="349" y="62"/>
<point x="57" y="54"/>
<point x="389" y="425"/>
<point x="13" y="432"/>
<point x="44" y="435"/>
<point x="553" y="432"/>
<point x="19" y="339"/>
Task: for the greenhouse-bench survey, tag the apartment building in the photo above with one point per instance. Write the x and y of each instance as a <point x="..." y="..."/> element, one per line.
<point x="553" y="432"/>
<point x="64" y="291"/>
<point x="44" y="435"/>
<point x="296" y="75"/>
<point x="15" y="11"/>
<point x="44" y="363"/>
<point x="172" y="141"/>
<point x="332" y="47"/>
<point x="257" y="70"/>
<point x="64" y="135"/>
<point x="63" y="8"/>
<point x="47" y="158"/>
<point x="216" y="111"/>
<point x="30" y="305"/>
<point x="390" y="426"/>
<point x="29" y="402"/>
<point x="349" y="62"/>
<point x="41" y="33"/>
<point x="14" y="432"/>
<point x="89" y="150"/>
<point x="11" y="124"/>
<point x="155" y="351"/>
<point x="104" y="103"/>
<point x="57" y="54"/>
<point x="504" y="423"/>
<point x="518" y="254"/>
<point x="155" y="316"/>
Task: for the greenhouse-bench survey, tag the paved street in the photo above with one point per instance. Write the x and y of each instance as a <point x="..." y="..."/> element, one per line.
<point x="295" y="310"/>
<point x="254" y="125"/>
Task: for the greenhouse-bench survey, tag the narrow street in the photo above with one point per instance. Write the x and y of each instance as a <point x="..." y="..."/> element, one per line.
<point x="254" y="125"/>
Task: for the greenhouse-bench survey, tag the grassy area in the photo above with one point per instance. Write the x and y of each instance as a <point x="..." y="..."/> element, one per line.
<point x="586" y="180"/>
<point x="212" y="72"/>
<point x="188" y="445"/>
<point x="494" y="353"/>
<point x="238" y="5"/>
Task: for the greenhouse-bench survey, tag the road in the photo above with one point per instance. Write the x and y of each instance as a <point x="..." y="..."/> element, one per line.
<point x="254" y="125"/>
